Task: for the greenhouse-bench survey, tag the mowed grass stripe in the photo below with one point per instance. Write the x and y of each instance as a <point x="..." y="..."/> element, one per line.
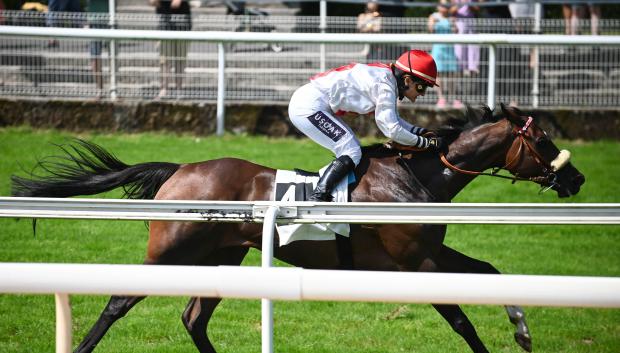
<point x="27" y="321"/>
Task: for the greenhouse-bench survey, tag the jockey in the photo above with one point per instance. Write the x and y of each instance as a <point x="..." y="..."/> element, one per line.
<point x="361" y="88"/>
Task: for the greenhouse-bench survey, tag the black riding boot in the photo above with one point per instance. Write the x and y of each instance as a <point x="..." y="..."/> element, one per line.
<point x="337" y="170"/>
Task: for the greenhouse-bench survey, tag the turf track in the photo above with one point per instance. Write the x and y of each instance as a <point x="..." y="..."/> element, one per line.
<point x="27" y="322"/>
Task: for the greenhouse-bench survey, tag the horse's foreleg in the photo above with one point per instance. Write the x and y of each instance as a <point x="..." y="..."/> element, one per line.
<point x="454" y="261"/>
<point x="196" y="317"/>
<point x="199" y="310"/>
<point x="452" y="313"/>
<point x="461" y="325"/>
<point x="522" y="336"/>
<point x="116" y="308"/>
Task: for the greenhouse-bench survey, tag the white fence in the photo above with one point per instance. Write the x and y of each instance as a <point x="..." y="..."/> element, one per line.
<point x="304" y="65"/>
<point x="297" y="284"/>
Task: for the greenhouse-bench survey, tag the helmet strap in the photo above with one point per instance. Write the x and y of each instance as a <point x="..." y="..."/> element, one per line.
<point x="400" y="81"/>
<point x="409" y="60"/>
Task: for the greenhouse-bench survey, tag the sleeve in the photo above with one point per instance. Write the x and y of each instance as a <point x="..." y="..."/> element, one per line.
<point x="390" y="124"/>
<point x="414" y="129"/>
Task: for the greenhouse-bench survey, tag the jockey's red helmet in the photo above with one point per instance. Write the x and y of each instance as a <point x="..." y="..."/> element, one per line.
<point x="420" y="64"/>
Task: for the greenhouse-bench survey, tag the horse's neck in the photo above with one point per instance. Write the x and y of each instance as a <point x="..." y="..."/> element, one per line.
<point x="477" y="150"/>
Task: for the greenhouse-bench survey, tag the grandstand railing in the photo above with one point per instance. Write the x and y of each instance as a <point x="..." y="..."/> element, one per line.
<point x="547" y="75"/>
<point x="297" y="284"/>
<point x="270" y="77"/>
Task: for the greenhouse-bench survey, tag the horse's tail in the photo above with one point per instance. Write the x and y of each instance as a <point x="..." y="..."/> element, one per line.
<point x="85" y="168"/>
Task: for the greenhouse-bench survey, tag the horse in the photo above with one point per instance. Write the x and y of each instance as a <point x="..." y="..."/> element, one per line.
<point x="476" y="141"/>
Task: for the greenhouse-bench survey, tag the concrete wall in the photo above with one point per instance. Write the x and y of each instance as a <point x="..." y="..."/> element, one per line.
<point x="200" y="119"/>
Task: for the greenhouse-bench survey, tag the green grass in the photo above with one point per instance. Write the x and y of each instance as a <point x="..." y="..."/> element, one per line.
<point x="27" y="321"/>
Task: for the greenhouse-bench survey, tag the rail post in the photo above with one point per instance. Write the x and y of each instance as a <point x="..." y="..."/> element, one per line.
<point x="221" y="89"/>
<point x="535" y="57"/>
<point x="112" y="52"/>
<point x="491" y="79"/>
<point x="63" y="323"/>
<point x="322" y="27"/>
<point x="269" y="223"/>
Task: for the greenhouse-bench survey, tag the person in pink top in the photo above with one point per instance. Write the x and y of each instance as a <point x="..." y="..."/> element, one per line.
<point x="315" y="108"/>
<point x="468" y="55"/>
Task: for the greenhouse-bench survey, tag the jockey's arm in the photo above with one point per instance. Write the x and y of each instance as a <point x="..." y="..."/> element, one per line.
<point x="391" y="125"/>
<point x="418" y="130"/>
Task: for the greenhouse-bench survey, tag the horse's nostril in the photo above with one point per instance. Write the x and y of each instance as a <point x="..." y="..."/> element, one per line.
<point x="579" y="179"/>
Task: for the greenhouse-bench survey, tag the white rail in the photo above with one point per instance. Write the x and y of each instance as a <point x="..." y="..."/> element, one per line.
<point x="330" y="38"/>
<point x="287" y="283"/>
<point x="308" y="212"/>
<point x="297" y="284"/>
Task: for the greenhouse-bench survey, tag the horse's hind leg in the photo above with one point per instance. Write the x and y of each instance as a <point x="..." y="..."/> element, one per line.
<point x="199" y="310"/>
<point x="116" y="308"/>
<point x="170" y="243"/>
<point x="454" y="261"/>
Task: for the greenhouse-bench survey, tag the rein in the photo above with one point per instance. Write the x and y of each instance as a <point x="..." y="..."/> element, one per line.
<point x="520" y="134"/>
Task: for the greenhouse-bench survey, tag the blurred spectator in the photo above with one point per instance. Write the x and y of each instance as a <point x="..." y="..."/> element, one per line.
<point x="33" y="14"/>
<point x="96" y="19"/>
<point x="440" y="22"/>
<point x="2" y="8"/>
<point x="496" y="9"/>
<point x="235" y="8"/>
<point x="174" y="15"/>
<point x="468" y="55"/>
<point x="369" y="21"/>
<point x="567" y="13"/>
<point x="523" y="12"/>
<point x="573" y="14"/>
<point x="57" y="20"/>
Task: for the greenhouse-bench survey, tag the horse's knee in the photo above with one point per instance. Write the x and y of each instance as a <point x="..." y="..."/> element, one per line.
<point x="189" y="315"/>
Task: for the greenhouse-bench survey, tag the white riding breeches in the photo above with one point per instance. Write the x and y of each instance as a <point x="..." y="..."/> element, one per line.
<point x="310" y="112"/>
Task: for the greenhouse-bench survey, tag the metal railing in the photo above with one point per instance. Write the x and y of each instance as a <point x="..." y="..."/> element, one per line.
<point x="267" y="283"/>
<point x="544" y="75"/>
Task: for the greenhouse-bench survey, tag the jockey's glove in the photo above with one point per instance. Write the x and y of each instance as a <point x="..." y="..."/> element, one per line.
<point x="435" y="143"/>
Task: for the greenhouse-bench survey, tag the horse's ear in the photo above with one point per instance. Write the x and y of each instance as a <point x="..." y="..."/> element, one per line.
<point x="513" y="114"/>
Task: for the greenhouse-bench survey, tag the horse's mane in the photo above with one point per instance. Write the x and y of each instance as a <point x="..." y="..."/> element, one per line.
<point x="449" y="131"/>
<point x="472" y="118"/>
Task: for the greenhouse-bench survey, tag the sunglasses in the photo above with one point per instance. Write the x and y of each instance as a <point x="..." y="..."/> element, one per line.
<point x="420" y="88"/>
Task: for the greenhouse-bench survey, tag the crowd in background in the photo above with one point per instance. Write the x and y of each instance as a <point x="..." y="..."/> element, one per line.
<point x="458" y="61"/>
<point x="454" y="62"/>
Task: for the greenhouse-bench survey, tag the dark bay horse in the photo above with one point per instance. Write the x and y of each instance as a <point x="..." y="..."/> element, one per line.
<point x="476" y="142"/>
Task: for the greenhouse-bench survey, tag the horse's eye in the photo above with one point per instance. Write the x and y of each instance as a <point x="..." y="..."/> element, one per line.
<point x="542" y="141"/>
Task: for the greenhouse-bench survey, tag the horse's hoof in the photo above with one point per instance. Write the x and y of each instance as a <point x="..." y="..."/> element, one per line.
<point x="524" y="340"/>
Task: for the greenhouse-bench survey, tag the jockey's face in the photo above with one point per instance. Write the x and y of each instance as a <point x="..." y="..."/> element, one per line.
<point x="415" y="89"/>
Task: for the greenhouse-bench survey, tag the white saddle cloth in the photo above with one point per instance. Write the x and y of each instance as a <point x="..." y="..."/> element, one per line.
<point x="289" y="186"/>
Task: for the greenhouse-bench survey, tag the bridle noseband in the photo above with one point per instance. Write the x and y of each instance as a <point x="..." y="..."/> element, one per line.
<point x="547" y="181"/>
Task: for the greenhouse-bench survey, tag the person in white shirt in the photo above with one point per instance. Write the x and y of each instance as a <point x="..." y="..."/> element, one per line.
<point x="361" y="88"/>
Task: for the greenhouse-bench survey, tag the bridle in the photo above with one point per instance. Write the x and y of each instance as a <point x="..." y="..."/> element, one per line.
<point x="547" y="181"/>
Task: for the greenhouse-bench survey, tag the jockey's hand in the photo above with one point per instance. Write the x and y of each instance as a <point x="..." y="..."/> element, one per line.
<point x="435" y="144"/>
<point x="429" y="134"/>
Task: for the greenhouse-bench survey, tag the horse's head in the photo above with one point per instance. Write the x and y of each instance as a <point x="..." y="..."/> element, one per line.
<point x="534" y="156"/>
